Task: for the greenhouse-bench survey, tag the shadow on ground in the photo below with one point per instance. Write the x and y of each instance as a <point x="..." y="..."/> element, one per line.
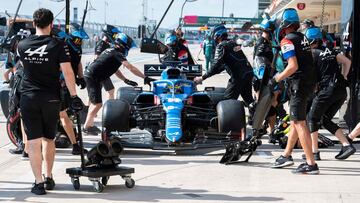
<point x="120" y="192"/>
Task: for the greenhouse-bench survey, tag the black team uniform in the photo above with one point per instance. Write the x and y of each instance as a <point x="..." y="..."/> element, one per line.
<point x="330" y="96"/>
<point x="99" y="48"/>
<point x="302" y="82"/>
<point x="229" y="56"/>
<point x="40" y="91"/>
<point x="100" y="70"/>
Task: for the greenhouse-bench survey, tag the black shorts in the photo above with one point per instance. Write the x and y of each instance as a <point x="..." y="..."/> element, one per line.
<point x="94" y="90"/>
<point x="107" y="84"/>
<point x="40" y="115"/>
<point x="299" y="95"/>
<point x="326" y="104"/>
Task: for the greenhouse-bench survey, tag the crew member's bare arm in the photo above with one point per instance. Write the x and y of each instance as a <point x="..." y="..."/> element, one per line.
<point x="69" y="77"/>
<point x="119" y="74"/>
<point x="133" y="69"/>
<point x="80" y="70"/>
<point x="346" y="64"/>
<point x="290" y="69"/>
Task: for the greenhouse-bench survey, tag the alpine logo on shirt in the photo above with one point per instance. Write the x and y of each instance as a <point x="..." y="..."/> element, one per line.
<point x="287" y="48"/>
<point x="326" y="52"/>
<point x="305" y="42"/>
<point x="36" y="55"/>
<point x="327" y="55"/>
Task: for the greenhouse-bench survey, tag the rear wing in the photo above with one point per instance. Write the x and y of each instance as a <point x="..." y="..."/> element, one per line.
<point x="157" y="69"/>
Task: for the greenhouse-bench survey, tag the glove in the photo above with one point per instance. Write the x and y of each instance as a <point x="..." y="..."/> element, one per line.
<point x="76" y="104"/>
<point x="130" y="82"/>
<point x="272" y="84"/>
<point x="147" y="80"/>
<point x="81" y="83"/>
<point x="198" y="80"/>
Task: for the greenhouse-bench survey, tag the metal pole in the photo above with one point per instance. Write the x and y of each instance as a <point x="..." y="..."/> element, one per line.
<point x="14" y="20"/>
<point x="67" y="16"/>
<point x="158" y="25"/>
<point x="181" y="13"/>
<point x="223" y="4"/>
<point x="355" y="62"/>
<point x="85" y="12"/>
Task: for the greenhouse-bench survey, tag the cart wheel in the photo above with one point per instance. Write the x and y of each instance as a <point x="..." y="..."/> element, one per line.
<point x="98" y="187"/>
<point x="104" y="180"/>
<point x="76" y="183"/>
<point x="130" y="183"/>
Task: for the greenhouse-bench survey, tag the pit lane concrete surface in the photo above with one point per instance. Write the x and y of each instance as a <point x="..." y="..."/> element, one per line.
<point x="186" y="176"/>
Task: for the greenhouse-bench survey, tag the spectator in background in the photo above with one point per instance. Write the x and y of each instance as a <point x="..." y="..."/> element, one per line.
<point x="209" y="50"/>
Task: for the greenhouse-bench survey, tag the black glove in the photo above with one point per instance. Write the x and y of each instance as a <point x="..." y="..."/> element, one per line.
<point x="130" y="82"/>
<point x="81" y="83"/>
<point x="76" y="104"/>
<point x="147" y="80"/>
<point x="272" y="84"/>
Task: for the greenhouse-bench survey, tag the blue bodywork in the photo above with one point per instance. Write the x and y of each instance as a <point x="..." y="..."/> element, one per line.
<point x="172" y="90"/>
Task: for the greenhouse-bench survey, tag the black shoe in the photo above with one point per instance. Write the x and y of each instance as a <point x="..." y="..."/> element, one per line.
<point x="305" y="168"/>
<point x="316" y="156"/>
<point x="93" y="130"/>
<point x="283" y="162"/>
<point x="345" y="152"/>
<point x="49" y="183"/>
<point x="18" y="150"/>
<point x="262" y="131"/>
<point x="38" y="189"/>
<point x="25" y="156"/>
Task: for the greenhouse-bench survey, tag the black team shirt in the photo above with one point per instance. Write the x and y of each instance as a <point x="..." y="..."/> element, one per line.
<point x="101" y="46"/>
<point x="41" y="57"/>
<point x="106" y="64"/>
<point x="327" y="67"/>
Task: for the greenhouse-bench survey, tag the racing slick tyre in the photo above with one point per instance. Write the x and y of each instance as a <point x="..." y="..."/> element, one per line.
<point x="13" y="128"/>
<point x="128" y="94"/>
<point x="115" y="116"/>
<point x="231" y="116"/>
<point x="216" y="95"/>
<point x="4" y="100"/>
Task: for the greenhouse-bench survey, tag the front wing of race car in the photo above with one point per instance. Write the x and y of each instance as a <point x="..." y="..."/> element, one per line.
<point x="144" y="139"/>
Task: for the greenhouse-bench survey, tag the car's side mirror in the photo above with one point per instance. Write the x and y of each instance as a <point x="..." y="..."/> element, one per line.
<point x="153" y="46"/>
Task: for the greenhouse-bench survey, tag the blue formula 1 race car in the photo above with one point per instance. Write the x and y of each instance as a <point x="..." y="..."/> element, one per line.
<point x="173" y="115"/>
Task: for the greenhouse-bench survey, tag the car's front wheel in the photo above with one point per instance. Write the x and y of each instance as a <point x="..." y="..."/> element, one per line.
<point x="231" y="116"/>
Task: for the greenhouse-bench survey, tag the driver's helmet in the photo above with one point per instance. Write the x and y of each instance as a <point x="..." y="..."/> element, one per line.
<point x="285" y="19"/>
<point x="170" y="38"/>
<point x="219" y="31"/>
<point x="78" y="34"/>
<point x="111" y="32"/>
<point x="125" y="41"/>
<point x="313" y="34"/>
